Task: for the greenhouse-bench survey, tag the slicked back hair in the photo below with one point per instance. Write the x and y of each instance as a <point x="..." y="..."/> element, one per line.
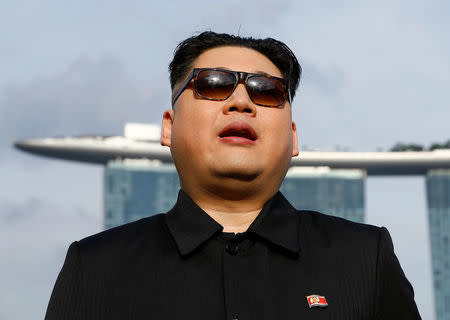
<point x="276" y="51"/>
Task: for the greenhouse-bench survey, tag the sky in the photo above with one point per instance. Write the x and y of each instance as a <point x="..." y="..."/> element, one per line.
<point x="374" y="73"/>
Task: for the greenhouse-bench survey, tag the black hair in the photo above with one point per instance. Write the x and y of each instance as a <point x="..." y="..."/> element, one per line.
<point x="279" y="53"/>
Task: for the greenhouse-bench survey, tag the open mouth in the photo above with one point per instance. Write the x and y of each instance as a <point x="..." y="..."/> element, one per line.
<point x="238" y="132"/>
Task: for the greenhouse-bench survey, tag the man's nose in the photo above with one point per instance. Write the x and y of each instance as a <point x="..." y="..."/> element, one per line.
<point x="240" y="101"/>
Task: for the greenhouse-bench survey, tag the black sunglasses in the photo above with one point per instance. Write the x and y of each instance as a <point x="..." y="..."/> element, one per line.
<point x="219" y="84"/>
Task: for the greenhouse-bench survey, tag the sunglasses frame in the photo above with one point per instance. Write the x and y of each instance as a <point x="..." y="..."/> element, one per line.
<point x="241" y="77"/>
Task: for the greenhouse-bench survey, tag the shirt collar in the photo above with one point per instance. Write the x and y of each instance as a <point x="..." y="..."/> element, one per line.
<point x="190" y="226"/>
<point x="278" y="222"/>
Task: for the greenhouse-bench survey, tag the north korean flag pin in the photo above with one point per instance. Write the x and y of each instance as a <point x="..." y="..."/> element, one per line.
<point x="316" y="301"/>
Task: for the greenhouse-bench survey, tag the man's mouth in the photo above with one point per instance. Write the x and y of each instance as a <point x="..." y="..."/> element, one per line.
<point x="238" y="132"/>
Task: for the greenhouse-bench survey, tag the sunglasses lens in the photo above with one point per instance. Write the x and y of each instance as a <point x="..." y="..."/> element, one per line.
<point x="265" y="91"/>
<point x="213" y="84"/>
<point x="219" y="85"/>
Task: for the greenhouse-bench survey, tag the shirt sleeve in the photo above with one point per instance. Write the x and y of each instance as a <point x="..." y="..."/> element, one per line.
<point x="67" y="299"/>
<point x="395" y="295"/>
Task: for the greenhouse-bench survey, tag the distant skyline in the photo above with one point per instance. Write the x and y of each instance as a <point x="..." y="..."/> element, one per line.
<point x="375" y="73"/>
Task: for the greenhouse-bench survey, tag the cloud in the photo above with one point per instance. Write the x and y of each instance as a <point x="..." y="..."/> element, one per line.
<point x="34" y="237"/>
<point x="89" y="97"/>
<point x="328" y="81"/>
<point x="374" y="74"/>
<point x="252" y="12"/>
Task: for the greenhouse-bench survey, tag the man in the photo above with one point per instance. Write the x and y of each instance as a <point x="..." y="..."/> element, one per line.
<point x="233" y="247"/>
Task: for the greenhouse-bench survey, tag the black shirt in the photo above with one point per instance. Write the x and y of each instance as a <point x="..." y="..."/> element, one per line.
<point x="180" y="265"/>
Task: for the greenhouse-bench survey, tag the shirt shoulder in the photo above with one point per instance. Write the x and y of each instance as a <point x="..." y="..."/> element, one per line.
<point x="366" y="254"/>
<point x="125" y="240"/>
<point x="320" y="219"/>
<point x="335" y="231"/>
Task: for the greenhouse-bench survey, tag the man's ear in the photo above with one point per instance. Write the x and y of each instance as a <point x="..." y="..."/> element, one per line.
<point x="294" y="140"/>
<point x="166" y="127"/>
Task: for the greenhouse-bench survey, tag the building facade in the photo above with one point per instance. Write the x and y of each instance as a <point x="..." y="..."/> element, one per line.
<point x="134" y="189"/>
<point x="338" y="192"/>
<point x="438" y="200"/>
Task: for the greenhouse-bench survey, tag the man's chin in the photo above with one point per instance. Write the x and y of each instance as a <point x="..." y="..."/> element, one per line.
<point x="244" y="174"/>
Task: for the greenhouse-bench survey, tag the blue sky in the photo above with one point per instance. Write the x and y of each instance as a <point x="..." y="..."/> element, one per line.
<point x="375" y="73"/>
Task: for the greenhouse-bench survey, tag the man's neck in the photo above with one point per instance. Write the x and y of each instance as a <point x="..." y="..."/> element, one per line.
<point x="236" y="222"/>
<point x="235" y="213"/>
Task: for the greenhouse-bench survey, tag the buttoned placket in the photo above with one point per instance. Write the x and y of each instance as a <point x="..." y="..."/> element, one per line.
<point x="231" y="259"/>
<point x="246" y="258"/>
<point x="236" y="273"/>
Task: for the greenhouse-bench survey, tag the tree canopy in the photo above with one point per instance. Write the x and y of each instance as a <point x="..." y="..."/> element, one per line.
<point x="400" y="146"/>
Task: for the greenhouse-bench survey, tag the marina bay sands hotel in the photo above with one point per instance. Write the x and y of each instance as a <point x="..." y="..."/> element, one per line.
<point x="140" y="179"/>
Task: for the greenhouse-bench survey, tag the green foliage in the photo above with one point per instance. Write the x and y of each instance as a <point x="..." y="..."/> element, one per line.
<point x="417" y="147"/>
<point x="445" y="145"/>
<point x="406" y="147"/>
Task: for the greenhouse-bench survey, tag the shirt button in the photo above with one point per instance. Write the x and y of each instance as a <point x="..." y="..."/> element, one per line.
<point x="232" y="247"/>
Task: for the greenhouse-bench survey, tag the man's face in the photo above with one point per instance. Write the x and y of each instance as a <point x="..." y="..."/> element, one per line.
<point x="230" y="141"/>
